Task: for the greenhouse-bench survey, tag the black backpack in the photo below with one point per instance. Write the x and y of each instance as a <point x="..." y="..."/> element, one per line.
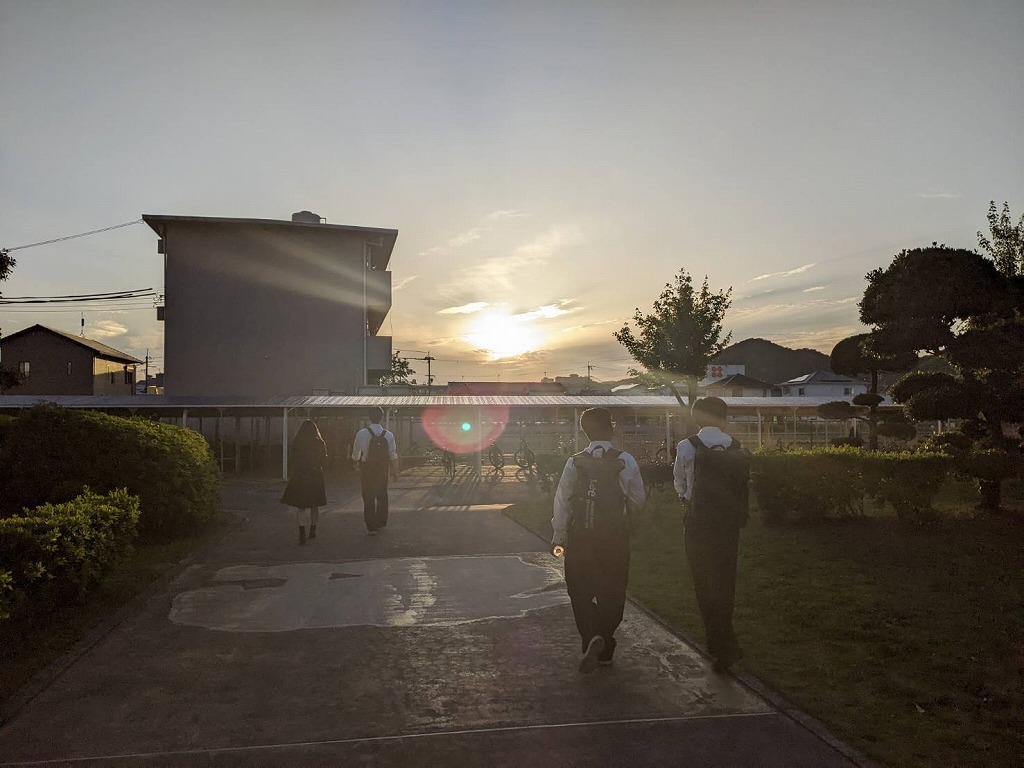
<point x="721" y="478"/>
<point x="598" y="503"/>
<point x="378" y="453"/>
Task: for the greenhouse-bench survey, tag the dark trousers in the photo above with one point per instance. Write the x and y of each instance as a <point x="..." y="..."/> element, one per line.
<point x="374" y="484"/>
<point x="712" y="555"/>
<point x="596" y="573"/>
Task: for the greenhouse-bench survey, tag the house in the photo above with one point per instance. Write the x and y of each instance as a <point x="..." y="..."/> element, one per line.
<point x="268" y="308"/>
<point x="54" y="362"/>
<point x="823" y="384"/>
<point x="504" y="388"/>
<point x="739" y="385"/>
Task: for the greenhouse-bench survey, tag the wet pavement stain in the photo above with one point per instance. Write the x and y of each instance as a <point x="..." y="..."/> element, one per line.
<point x="399" y="592"/>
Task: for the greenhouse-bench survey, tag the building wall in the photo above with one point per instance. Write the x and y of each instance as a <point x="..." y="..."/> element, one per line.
<point x="263" y="310"/>
<point x="110" y="377"/>
<point x="837" y="391"/>
<point x="48" y="356"/>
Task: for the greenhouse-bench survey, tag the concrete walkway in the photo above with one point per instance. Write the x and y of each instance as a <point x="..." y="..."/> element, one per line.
<point x="446" y="640"/>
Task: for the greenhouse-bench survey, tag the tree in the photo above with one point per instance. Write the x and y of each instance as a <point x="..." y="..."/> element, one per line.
<point x="680" y="337"/>
<point x="9" y="377"/>
<point x="957" y="305"/>
<point x="400" y="372"/>
<point x="1006" y="245"/>
<point x="853" y="356"/>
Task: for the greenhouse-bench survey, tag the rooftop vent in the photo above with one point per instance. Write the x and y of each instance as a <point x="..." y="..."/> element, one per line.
<point x="307" y="217"/>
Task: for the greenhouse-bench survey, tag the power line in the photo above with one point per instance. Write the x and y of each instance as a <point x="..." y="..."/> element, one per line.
<point x="72" y="237"/>
<point x="83" y="296"/>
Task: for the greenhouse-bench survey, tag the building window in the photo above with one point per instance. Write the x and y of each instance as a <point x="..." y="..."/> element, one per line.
<point x="111" y="377"/>
<point x="847" y="390"/>
<point x="129" y="375"/>
<point x="800" y="391"/>
<point x="25" y="368"/>
<point x="69" y="369"/>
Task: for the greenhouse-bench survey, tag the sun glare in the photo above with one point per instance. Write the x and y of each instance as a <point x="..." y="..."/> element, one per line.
<point x="503" y="336"/>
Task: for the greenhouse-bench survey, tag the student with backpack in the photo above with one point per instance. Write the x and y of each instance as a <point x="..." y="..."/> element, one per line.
<point x="598" y="489"/>
<point x="375" y="455"/>
<point x="711" y="475"/>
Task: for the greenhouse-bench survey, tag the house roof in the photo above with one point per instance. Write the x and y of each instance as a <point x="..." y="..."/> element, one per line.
<point x="821" y="377"/>
<point x="740" y="380"/>
<point x="379" y="256"/>
<point x="99" y="348"/>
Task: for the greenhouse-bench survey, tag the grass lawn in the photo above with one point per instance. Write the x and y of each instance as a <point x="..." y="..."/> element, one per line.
<point x="33" y="638"/>
<point x="908" y="642"/>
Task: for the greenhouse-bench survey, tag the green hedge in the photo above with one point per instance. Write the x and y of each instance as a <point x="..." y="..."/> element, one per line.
<point x="808" y="485"/>
<point x="48" y="454"/>
<point x="57" y="552"/>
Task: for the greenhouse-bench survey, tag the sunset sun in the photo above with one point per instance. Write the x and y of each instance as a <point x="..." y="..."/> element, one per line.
<point x="503" y="336"/>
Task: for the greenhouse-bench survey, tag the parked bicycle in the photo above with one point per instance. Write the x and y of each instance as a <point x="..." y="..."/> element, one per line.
<point x="524" y="457"/>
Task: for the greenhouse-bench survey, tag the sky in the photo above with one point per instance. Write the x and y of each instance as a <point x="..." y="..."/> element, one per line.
<point x="549" y="165"/>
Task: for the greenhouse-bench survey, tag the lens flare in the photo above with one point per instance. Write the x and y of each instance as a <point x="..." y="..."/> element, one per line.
<point x="457" y="429"/>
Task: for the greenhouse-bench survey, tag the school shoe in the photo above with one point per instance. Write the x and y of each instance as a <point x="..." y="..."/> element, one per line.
<point x="312" y="531"/>
<point x="590" y="662"/>
<point x="371" y="532"/>
<point x="724" y="661"/>
<point x="302" y="535"/>
<point x="605" y="659"/>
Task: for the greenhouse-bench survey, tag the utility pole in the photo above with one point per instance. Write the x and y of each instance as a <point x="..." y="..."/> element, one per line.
<point x="429" y="359"/>
<point x="147" y="371"/>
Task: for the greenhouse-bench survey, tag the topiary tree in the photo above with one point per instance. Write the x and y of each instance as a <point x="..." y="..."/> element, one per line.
<point x="680" y="337"/>
<point x="856" y="355"/>
<point x="957" y="305"/>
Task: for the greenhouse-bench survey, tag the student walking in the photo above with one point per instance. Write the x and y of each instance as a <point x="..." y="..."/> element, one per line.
<point x="305" y="489"/>
<point x="711" y="475"/>
<point x="598" y="489"/>
<point x="375" y="454"/>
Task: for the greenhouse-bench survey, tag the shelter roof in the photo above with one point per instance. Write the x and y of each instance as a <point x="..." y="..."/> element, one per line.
<point x="651" y="403"/>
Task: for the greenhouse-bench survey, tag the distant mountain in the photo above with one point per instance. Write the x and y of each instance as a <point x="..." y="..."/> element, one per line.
<point x="771" y="362"/>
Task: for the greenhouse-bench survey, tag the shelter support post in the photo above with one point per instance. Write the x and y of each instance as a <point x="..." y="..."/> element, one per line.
<point x="760" y="438"/>
<point x="575" y="431"/>
<point x="479" y="465"/>
<point x="284" y="444"/>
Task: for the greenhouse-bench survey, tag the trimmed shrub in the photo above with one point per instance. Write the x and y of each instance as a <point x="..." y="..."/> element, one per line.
<point x="907" y="482"/>
<point x="50" y="453"/>
<point x="811" y="485"/>
<point x="57" y="552"/>
<point x="808" y="485"/>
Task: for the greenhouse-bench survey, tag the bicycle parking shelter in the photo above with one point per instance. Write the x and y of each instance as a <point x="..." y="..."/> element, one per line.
<point x="643" y="422"/>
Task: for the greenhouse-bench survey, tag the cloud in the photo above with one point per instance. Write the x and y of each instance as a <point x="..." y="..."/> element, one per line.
<point x="107" y="329"/>
<point x="496" y="216"/>
<point x="821" y="339"/>
<point x="402" y="283"/>
<point x="465" y="309"/>
<point x="784" y="308"/>
<point x="455" y="243"/>
<point x="547" y="311"/>
<point x="796" y="271"/>
<point x="937" y="195"/>
<point x="814" y="288"/>
<point x="524" y="260"/>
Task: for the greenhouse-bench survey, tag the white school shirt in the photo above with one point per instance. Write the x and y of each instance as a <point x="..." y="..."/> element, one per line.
<point x="682" y="470"/>
<point x="361" y="445"/>
<point x="629" y="480"/>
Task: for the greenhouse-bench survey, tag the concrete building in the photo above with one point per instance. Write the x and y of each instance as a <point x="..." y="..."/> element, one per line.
<point x="823" y="384"/>
<point x="54" y="362"/>
<point x="268" y="308"/>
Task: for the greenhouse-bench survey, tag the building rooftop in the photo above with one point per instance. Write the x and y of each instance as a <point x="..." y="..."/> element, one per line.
<point x="383" y="238"/>
<point x="98" y="347"/>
